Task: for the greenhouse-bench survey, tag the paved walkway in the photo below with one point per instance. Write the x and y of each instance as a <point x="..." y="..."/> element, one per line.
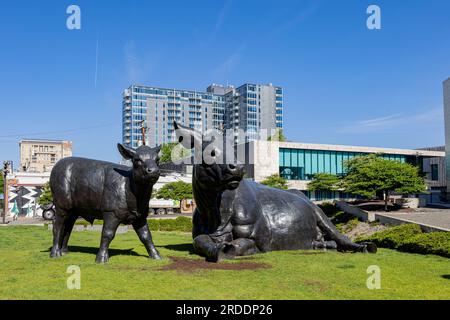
<point x="23" y="221"/>
<point x="433" y="217"/>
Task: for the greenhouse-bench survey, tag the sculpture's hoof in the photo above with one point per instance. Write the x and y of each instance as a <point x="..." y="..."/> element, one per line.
<point x="102" y="259"/>
<point x="156" y="256"/>
<point x="369" y="247"/>
<point x="55" y="254"/>
<point x="226" y="251"/>
<point x="64" y="251"/>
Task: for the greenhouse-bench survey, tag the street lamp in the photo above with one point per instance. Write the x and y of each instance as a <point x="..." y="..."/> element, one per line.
<point x="7" y="166"/>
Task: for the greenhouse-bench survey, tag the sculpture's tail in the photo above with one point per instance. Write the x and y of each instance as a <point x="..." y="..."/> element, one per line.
<point x="331" y="233"/>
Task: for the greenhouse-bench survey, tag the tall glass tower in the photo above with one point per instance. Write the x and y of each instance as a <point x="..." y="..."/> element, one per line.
<point x="249" y="107"/>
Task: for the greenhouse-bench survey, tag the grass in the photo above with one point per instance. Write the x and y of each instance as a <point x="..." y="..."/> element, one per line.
<point x="27" y="272"/>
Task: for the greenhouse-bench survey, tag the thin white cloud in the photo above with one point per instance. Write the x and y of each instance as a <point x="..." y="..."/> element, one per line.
<point x="380" y="122"/>
<point x="204" y="37"/>
<point x="221" y="18"/>
<point x="138" y="66"/>
<point x="229" y="64"/>
<point x="297" y="19"/>
<point x="96" y="63"/>
<point x="432" y="116"/>
<point x="131" y="61"/>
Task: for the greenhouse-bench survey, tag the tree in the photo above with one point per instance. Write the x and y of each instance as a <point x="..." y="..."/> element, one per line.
<point x="275" y="181"/>
<point x="173" y="151"/>
<point x="178" y="190"/>
<point x="1" y="181"/>
<point x="46" y="196"/>
<point x="278" y="136"/>
<point x="371" y="174"/>
<point x="325" y="182"/>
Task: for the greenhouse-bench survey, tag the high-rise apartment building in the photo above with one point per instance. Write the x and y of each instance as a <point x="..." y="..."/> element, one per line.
<point x="249" y="107"/>
<point x="447" y="129"/>
<point x="37" y="155"/>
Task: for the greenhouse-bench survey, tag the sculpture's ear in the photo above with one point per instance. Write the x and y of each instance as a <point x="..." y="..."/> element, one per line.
<point x="158" y="149"/>
<point x="127" y="153"/>
<point x="188" y="137"/>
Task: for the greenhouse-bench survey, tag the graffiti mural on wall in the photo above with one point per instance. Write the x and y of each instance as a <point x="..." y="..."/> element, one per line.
<point x="24" y="201"/>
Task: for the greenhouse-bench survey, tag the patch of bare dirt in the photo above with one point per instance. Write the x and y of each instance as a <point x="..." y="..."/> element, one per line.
<point x="364" y="229"/>
<point x="193" y="265"/>
<point x="132" y="268"/>
<point x="318" y="285"/>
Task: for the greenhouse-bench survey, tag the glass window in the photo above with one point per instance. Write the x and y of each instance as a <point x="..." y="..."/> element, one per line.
<point x="434" y="172"/>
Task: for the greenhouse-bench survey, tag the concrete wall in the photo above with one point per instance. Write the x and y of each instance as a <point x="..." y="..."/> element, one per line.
<point x="355" y="211"/>
<point x="263" y="157"/>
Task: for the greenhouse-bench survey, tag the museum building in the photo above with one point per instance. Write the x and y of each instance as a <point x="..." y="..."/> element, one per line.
<point x="299" y="162"/>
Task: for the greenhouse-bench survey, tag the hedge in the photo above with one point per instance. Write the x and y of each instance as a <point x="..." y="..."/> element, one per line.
<point x="183" y="224"/>
<point x="428" y="243"/>
<point x="409" y="238"/>
<point x="393" y="237"/>
<point x="329" y="208"/>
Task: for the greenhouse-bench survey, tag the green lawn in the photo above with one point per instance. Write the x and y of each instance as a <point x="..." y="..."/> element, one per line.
<point x="27" y="272"/>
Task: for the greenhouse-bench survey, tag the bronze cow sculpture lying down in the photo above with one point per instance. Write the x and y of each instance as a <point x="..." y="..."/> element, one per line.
<point x="237" y="216"/>
<point x="106" y="191"/>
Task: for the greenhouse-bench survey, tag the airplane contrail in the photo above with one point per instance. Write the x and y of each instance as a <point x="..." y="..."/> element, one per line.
<point x="96" y="63"/>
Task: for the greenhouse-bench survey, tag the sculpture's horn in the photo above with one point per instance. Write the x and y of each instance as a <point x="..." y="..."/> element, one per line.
<point x="188" y="137"/>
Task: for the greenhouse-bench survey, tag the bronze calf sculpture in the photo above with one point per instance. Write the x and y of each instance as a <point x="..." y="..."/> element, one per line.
<point x="106" y="191"/>
<point x="236" y="216"/>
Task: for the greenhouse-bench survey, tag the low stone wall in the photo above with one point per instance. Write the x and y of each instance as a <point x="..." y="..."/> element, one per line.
<point x="384" y="218"/>
<point x="94" y="227"/>
<point x="357" y="212"/>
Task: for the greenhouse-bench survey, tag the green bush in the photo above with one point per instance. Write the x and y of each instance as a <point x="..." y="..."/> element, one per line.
<point x="183" y="224"/>
<point x="392" y="238"/>
<point x="341" y="217"/>
<point x="428" y="243"/>
<point x="83" y="222"/>
<point x="328" y="208"/>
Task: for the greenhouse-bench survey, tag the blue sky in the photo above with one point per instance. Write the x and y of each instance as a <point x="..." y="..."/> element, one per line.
<point x="343" y="83"/>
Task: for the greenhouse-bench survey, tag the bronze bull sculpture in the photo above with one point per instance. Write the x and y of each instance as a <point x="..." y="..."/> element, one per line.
<point x="106" y="191"/>
<point x="236" y="216"/>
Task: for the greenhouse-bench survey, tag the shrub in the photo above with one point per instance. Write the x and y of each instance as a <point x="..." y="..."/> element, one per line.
<point x="392" y="238"/>
<point x="428" y="243"/>
<point x="275" y="181"/>
<point x="183" y="224"/>
<point x="341" y="217"/>
<point x="83" y="222"/>
<point x="328" y="208"/>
